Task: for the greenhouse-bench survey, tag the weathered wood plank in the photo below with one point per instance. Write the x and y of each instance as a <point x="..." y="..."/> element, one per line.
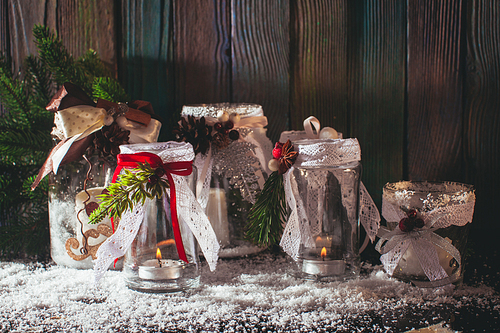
<point x="145" y="62"/>
<point x="260" y="58"/>
<point x="88" y="24"/>
<point x="202" y="51"/>
<point x="377" y="60"/>
<point x="435" y="84"/>
<point x="319" y="63"/>
<point x="482" y="115"/>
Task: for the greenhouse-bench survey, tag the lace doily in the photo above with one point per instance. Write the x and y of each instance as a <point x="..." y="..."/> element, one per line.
<point x="189" y="211"/>
<point x="211" y="110"/>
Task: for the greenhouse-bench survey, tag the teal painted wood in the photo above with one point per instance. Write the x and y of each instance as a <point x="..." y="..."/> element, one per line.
<point x="435" y="85"/>
<point x="482" y="114"/>
<point x="146" y="61"/>
<point x="377" y="60"/>
<point x="202" y="52"/>
<point x="319" y="63"/>
<point x="260" y="58"/>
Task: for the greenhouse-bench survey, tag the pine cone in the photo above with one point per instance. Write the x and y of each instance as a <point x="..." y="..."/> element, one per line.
<point x="220" y="140"/>
<point x="194" y="131"/>
<point x="109" y="138"/>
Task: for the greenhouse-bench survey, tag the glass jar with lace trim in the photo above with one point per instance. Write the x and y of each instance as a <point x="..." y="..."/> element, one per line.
<point x="73" y="195"/>
<point x="322" y="190"/>
<point x="426" y="233"/>
<point x="232" y="169"/>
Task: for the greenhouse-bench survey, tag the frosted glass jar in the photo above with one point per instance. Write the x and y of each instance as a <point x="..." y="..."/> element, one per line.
<point x="230" y="177"/>
<point x="72" y="197"/>
<point x="427" y="229"/>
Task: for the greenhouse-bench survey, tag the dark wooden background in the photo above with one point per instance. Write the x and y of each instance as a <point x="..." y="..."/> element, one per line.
<point x="417" y="82"/>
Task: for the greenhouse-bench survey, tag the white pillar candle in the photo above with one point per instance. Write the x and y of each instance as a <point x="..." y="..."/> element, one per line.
<point x="217" y="214"/>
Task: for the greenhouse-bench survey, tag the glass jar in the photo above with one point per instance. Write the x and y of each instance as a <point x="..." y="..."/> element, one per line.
<point x="73" y="195"/>
<point x="322" y="188"/>
<point x="230" y="176"/>
<point x="152" y="262"/>
<point x="427" y="224"/>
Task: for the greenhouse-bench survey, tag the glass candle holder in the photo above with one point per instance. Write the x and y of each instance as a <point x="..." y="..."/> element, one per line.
<point x="233" y="171"/>
<point x="324" y="183"/>
<point x="73" y="195"/>
<point x="152" y="262"/>
<point x="427" y="229"/>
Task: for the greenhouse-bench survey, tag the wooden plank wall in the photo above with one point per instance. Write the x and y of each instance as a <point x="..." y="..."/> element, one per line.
<point x="417" y="82"/>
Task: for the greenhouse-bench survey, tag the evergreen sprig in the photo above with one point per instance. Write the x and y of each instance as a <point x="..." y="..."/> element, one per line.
<point x="109" y="89"/>
<point x="266" y="217"/>
<point x="133" y="187"/>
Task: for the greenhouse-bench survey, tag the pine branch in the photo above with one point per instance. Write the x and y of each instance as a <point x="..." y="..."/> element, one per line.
<point x="266" y="217"/>
<point x="13" y="95"/>
<point x="132" y="188"/>
<point x="109" y="89"/>
<point x="92" y="64"/>
<point x="38" y="80"/>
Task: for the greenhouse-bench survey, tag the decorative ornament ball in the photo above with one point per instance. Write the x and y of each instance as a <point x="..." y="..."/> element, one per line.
<point x="277" y="153"/>
<point x="273" y="165"/>
<point x="328" y="133"/>
<point x="234" y="117"/>
<point x="234" y="135"/>
<point x="406" y="224"/>
<point x="228" y="124"/>
<point x="222" y="116"/>
<point x="159" y="172"/>
<point x="121" y="121"/>
<point x="108" y="120"/>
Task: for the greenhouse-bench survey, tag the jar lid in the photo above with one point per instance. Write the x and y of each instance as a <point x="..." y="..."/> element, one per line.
<point x="170" y="151"/>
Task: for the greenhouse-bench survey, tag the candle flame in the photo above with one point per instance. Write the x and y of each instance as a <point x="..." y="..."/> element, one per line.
<point x="158" y="253"/>
<point x="323" y="252"/>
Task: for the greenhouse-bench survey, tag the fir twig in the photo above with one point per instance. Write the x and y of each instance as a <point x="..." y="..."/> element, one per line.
<point x="109" y="89"/>
<point x="265" y="219"/>
<point x="133" y="187"/>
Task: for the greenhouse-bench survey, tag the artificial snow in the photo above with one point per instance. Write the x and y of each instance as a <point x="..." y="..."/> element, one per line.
<point x="244" y="295"/>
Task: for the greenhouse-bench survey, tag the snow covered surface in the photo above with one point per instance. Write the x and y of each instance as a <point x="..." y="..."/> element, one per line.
<point x="245" y="295"/>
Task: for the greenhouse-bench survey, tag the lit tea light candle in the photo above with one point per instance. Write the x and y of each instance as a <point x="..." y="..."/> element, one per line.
<point x="323" y="265"/>
<point x="160" y="269"/>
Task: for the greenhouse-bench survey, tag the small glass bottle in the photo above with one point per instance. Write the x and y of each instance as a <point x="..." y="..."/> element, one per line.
<point x="73" y="195"/>
<point x="152" y="263"/>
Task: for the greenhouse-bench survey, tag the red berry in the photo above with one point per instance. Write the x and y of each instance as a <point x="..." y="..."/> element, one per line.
<point x="419" y="223"/>
<point x="217" y="126"/>
<point x="405" y="224"/>
<point x="412" y="213"/>
<point x="153" y="179"/>
<point x="276" y="153"/>
<point x="278" y="145"/>
<point x="159" y="172"/>
<point x="228" y="124"/>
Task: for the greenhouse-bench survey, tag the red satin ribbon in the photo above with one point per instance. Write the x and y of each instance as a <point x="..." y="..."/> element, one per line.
<point x="183" y="168"/>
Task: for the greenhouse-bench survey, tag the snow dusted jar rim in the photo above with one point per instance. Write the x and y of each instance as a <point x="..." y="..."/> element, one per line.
<point x="427" y="195"/>
<point x="326" y="152"/>
<point x="170" y="151"/>
<point x="211" y="110"/>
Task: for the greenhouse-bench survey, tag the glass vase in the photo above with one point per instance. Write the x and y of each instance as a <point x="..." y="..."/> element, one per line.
<point x="231" y="176"/>
<point x="429" y="223"/>
<point x="73" y="195"/>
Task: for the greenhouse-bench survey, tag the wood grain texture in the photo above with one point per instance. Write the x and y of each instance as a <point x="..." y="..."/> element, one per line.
<point x="318" y="63"/>
<point x="145" y="63"/>
<point x="260" y="58"/>
<point x="377" y="60"/>
<point x="202" y="52"/>
<point x="482" y="114"/>
<point x="88" y="24"/>
<point x="435" y="84"/>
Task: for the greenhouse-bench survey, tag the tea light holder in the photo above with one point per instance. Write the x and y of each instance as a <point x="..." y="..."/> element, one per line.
<point x="426" y="232"/>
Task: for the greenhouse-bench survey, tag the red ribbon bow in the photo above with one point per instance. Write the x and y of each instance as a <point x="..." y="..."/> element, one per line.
<point x="183" y="168"/>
